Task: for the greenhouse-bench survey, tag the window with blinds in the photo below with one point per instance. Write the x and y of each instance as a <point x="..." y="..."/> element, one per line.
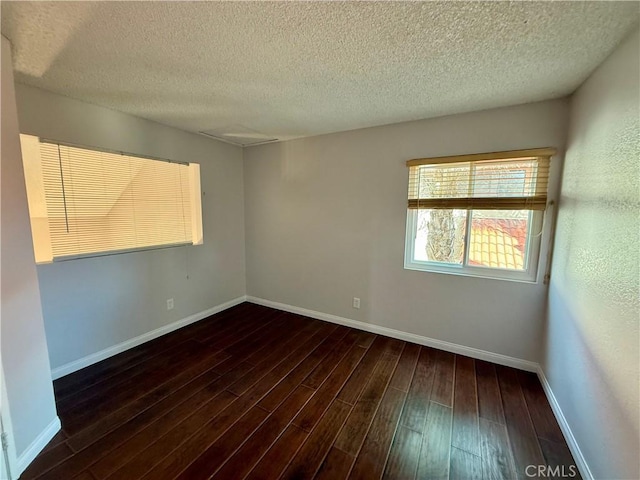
<point x="86" y="202"/>
<point x="478" y="214"/>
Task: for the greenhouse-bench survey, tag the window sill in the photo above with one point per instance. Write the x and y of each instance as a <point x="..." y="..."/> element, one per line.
<point x="492" y="274"/>
<point x="114" y="252"/>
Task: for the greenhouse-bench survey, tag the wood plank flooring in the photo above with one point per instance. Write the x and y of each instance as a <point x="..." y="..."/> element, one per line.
<point x="256" y="393"/>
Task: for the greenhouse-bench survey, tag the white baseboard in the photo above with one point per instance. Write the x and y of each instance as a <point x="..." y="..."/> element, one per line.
<point x="408" y="337"/>
<point x="71" y="367"/>
<point x="581" y="463"/>
<point x="37" y="446"/>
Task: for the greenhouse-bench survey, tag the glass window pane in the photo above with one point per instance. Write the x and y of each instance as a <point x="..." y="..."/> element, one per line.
<point x="499" y="239"/>
<point x="440" y="235"/>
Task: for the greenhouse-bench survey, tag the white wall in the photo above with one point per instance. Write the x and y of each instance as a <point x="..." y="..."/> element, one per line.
<point x="325" y="222"/>
<point x="92" y="304"/>
<point x="23" y="347"/>
<point x="592" y="340"/>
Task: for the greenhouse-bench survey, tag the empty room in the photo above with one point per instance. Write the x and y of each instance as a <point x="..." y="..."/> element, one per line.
<point x="320" y="240"/>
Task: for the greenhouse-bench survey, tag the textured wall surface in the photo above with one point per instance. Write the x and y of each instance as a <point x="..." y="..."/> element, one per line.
<point x="592" y="340"/>
<point x="326" y="217"/>
<point x="24" y="349"/>
<point x="94" y="303"/>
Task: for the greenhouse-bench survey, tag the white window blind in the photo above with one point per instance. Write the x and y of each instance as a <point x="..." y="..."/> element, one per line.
<point x="516" y="180"/>
<point x="100" y="202"/>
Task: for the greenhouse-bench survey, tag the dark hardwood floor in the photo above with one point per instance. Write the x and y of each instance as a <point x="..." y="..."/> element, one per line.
<point x="257" y="393"/>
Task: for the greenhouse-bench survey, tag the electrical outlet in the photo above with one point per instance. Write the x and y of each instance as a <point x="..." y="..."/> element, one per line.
<point x="170" y="304"/>
<point x="356" y="302"/>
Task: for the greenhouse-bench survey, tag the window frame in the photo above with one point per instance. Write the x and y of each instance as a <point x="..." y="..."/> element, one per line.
<point x="535" y="234"/>
<point x="532" y="253"/>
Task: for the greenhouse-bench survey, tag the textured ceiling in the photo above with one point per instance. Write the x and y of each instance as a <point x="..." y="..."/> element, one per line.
<point x="292" y="69"/>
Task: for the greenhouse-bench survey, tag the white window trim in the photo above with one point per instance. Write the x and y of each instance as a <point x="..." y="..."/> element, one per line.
<point x="530" y="275"/>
